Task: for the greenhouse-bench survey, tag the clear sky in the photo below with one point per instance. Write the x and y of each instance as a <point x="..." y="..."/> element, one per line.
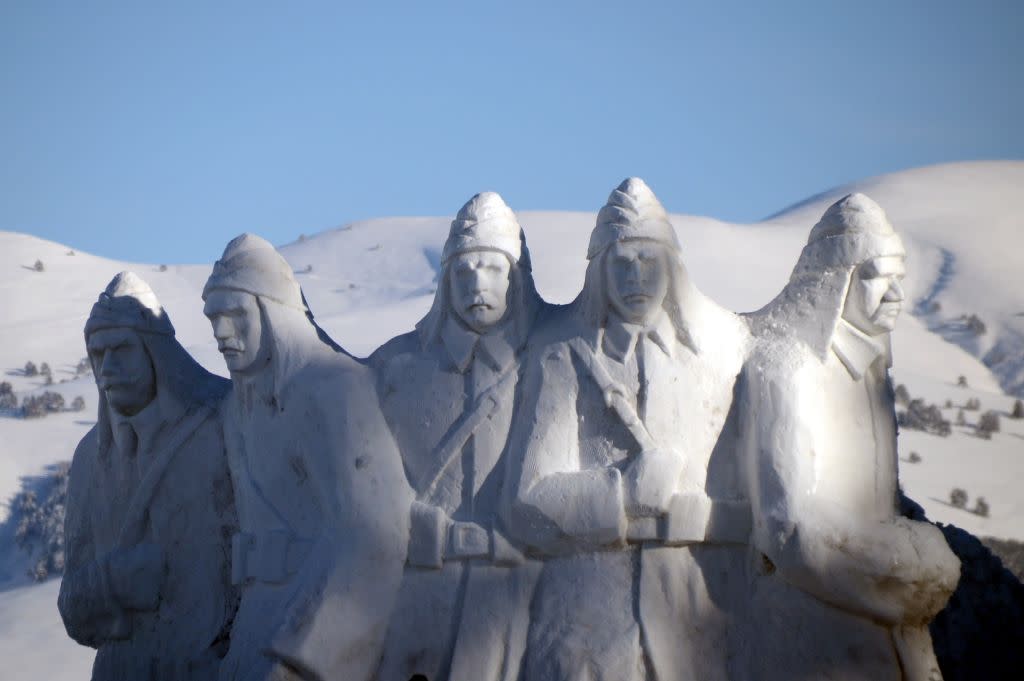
<point x="156" y="134"/>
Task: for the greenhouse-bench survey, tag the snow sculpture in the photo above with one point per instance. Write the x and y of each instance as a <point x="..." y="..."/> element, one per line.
<point x="322" y="500"/>
<point x="447" y="390"/>
<point x="629" y="484"/>
<point x="149" y="501"/>
<point x="847" y="587"/>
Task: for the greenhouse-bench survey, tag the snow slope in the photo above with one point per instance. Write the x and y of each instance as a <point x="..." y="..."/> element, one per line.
<point x="371" y="280"/>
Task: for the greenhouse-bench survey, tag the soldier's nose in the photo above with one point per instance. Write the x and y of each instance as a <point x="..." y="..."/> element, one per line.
<point x="221" y="329"/>
<point x="895" y="293"/>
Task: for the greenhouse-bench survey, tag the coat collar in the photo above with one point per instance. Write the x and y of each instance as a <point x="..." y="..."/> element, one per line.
<point x="148" y="423"/>
<point x="494" y="348"/>
<point x="857" y="350"/>
<point x="621" y="337"/>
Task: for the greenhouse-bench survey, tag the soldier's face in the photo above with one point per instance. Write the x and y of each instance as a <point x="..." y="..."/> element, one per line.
<point x="479" y="288"/>
<point x="875" y="298"/>
<point x="638" y="279"/>
<point x="123" y="369"/>
<point x="238" y="328"/>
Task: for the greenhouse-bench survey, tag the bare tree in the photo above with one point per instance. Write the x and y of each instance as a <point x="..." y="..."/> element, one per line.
<point x="958" y="497"/>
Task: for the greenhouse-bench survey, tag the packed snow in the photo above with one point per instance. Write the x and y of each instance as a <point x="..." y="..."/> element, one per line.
<point x="371" y="280"/>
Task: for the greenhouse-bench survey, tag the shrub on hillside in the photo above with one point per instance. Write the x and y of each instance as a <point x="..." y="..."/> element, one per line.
<point x="39" y="522"/>
<point x="38" y="267"/>
<point x="958" y="497"/>
<point x="973" y="404"/>
<point x="975" y="325"/>
<point x="31" y="369"/>
<point x="988" y="424"/>
<point x="37" y="406"/>
<point x="8" y="400"/>
<point x="1018" y="410"/>
<point x="926" y="417"/>
<point x="901" y="395"/>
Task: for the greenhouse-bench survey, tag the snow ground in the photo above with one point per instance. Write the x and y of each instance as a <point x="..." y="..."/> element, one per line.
<point x="374" y="279"/>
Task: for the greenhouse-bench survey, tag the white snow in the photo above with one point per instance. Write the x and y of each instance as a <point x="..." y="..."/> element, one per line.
<point x="374" y="279"/>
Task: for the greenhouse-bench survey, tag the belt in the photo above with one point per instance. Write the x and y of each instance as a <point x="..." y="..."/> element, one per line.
<point x="270" y="557"/>
<point x="695" y="519"/>
<point x="468" y="540"/>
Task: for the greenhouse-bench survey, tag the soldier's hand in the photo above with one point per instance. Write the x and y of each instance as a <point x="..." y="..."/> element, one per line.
<point x="650" y="480"/>
<point x="137" y="575"/>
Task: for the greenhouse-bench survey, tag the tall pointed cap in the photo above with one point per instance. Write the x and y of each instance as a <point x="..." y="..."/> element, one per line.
<point x="631" y="212"/>
<point x="854" y="229"/>
<point x="485" y="223"/>
<point x="251" y="264"/>
<point x="129" y="302"/>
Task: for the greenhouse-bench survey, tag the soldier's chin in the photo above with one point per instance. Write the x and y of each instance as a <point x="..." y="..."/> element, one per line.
<point x="235" y="361"/>
<point x="123" y="400"/>
<point x="481" y="317"/>
<point x="886" y="317"/>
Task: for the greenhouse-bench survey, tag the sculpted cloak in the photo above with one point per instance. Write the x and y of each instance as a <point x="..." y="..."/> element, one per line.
<point x="846" y="587"/>
<point x="159" y="477"/>
<point x="322" y="500"/>
<point x="448" y="394"/>
<point x="631" y="599"/>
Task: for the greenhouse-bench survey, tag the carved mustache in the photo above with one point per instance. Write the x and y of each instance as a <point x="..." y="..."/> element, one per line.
<point x="106" y="384"/>
<point x="481" y="301"/>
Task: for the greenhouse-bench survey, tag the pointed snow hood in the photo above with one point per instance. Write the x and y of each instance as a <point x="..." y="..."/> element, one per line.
<point x="251" y="264"/>
<point x="129" y="302"/>
<point x="485" y="223"/>
<point x="631" y="212"/>
<point x="852" y="231"/>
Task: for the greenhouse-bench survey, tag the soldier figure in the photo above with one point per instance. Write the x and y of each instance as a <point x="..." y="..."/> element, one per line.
<point x="322" y="501"/>
<point x="847" y="586"/>
<point x="447" y="390"/>
<point x="628" y="482"/>
<point x="149" y="509"/>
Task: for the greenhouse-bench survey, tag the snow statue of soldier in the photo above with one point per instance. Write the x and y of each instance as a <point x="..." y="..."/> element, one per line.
<point x="846" y="586"/>
<point x="323" y="505"/>
<point x="149" y="506"/>
<point x="447" y="389"/>
<point x="623" y="484"/>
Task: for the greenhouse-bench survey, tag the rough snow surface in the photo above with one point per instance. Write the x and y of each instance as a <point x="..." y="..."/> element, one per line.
<point x="372" y="280"/>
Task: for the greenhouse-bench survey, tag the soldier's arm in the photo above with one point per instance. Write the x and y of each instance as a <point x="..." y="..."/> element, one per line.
<point x="892" y="571"/>
<point x="85" y="602"/>
<point x="336" y="620"/>
<point x="559" y="508"/>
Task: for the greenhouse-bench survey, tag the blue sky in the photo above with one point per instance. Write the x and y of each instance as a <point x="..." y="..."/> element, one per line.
<point x="157" y="133"/>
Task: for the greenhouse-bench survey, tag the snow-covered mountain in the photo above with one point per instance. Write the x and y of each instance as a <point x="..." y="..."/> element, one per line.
<point x="374" y="279"/>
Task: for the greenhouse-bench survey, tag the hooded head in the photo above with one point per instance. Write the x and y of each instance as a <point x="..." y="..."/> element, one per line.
<point x="136" y="358"/>
<point x="259" y="314"/>
<point x="486" y="278"/>
<point x="630" y="227"/>
<point x="853" y="232"/>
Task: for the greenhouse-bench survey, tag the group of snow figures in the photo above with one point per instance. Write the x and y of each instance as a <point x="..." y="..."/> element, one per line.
<point x="637" y="486"/>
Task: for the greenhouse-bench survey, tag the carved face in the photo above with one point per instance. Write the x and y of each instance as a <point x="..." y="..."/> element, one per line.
<point x="123" y="369"/>
<point x="238" y="328"/>
<point x="478" y="288"/>
<point x="875" y="297"/>
<point x="638" y="278"/>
